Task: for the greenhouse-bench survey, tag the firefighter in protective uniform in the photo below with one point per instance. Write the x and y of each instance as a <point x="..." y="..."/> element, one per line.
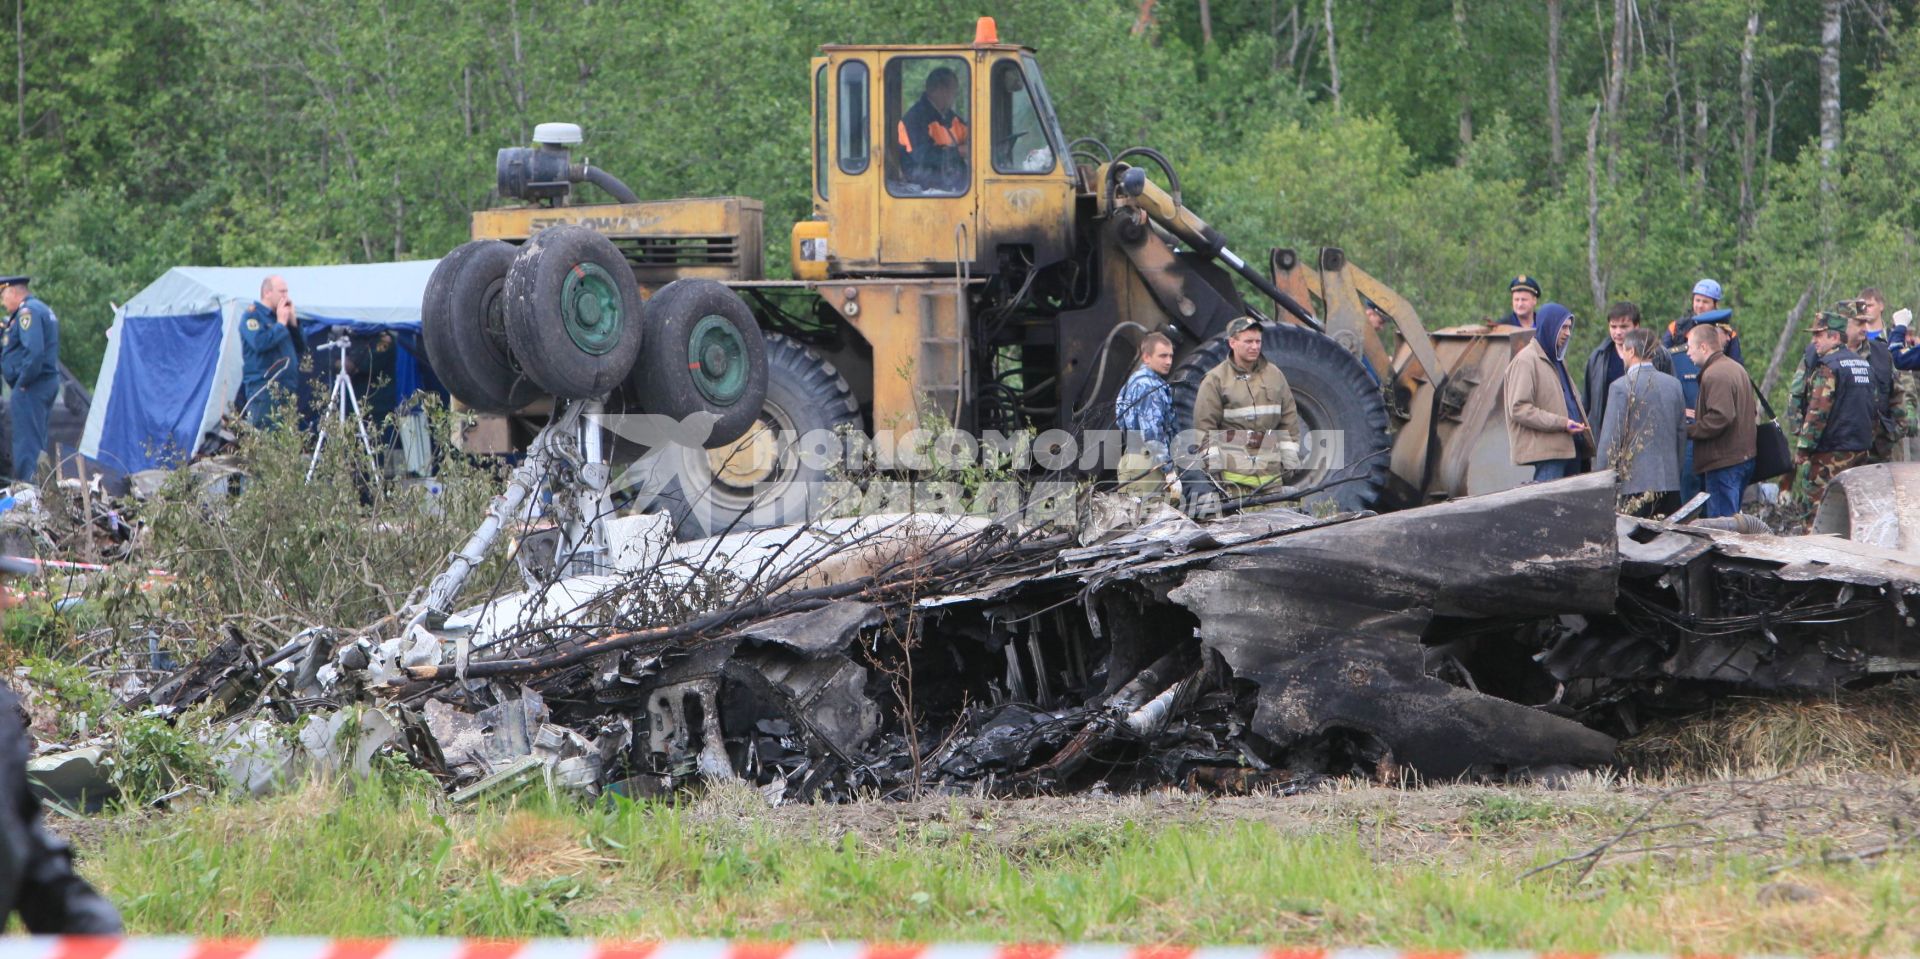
<point x="1245" y="413"/>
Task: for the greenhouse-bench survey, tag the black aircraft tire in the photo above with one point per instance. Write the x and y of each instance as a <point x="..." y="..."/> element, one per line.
<point x="463" y="326"/>
<point x="763" y="480"/>
<point x="1334" y="396"/>
<point x="574" y="318"/>
<point x="705" y="354"/>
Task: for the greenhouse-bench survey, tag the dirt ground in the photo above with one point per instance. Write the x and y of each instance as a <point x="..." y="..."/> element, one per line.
<point x="1774" y="819"/>
<point x="1847" y="814"/>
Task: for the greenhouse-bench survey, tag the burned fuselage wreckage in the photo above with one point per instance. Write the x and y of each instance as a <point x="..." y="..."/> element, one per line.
<point x="1515" y="632"/>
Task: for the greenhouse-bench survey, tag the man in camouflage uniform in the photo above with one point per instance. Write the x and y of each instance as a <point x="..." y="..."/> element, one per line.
<point x="1144" y="409"/>
<point x="1836" y="430"/>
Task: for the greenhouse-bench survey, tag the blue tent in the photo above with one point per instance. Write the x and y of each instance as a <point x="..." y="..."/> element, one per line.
<point x="173" y="357"/>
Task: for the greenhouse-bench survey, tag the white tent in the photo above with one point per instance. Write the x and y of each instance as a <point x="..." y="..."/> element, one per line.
<point x="173" y="358"/>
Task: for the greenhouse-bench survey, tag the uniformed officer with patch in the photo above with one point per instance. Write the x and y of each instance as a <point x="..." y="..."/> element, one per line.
<point x="1836" y="431"/>
<point x="271" y="346"/>
<point x="30" y="363"/>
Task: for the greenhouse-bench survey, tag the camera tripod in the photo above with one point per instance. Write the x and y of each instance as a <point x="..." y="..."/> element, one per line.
<point x="342" y="403"/>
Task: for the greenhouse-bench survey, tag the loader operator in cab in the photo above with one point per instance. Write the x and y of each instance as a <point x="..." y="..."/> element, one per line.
<point x="934" y="138"/>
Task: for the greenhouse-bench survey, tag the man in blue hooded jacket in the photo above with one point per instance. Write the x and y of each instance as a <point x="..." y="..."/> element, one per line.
<point x="1546" y="425"/>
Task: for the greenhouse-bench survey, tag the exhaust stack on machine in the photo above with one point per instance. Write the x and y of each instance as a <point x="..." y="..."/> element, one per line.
<point x="546" y="173"/>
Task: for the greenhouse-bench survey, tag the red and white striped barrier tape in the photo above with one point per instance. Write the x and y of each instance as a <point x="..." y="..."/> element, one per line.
<point x="323" y="948"/>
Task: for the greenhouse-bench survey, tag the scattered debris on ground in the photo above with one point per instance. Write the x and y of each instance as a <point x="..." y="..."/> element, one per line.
<point x="1516" y="634"/>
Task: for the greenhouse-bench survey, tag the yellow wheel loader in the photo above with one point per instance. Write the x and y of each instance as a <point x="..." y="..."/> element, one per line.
<point x="965" y="259"/>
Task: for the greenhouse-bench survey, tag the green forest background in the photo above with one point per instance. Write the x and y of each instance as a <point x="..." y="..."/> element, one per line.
<point x="1767" y="144"/>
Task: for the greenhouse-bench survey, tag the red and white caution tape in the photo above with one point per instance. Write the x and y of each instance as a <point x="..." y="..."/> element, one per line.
<point x="322" y="948"/>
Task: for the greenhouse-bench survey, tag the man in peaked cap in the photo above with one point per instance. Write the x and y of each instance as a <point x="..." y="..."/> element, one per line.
<point x="1523" y="292"/>
<point x="1836" y="432"/>
<point x="30" y="363"/>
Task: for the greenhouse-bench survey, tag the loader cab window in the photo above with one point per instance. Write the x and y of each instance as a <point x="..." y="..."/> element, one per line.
<point x="1020" y="142"/>
<point x="930" y="116"/>
<point x="1043" y="104"/>
<point x="820" y="132"/>
<point x="853" y="118"/>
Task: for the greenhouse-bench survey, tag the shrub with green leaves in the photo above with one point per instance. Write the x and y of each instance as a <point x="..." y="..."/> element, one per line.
<point x="275" y="552"/>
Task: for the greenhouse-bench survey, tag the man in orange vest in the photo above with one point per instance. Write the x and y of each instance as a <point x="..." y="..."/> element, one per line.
<point x="934" y="138"/>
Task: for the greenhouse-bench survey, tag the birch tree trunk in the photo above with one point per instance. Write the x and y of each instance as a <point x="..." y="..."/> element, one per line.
<point x="1594" y="278"/>
<point x="1333" y="59"/>
<point x="1680" y="136"/>
<point x="1465" y="91"/>
<point x="1616" y="83"/>
<point x="1830" y="93"/>
<point x="1788" y="336"/>
<point x="20" y="78"/>
<point x="1556" y="135"/>
<point x="1206" y="22"/>
<point x="1750" y="122"/>
<point x="1699" y="142"/>
<point x="1295" y="30"/>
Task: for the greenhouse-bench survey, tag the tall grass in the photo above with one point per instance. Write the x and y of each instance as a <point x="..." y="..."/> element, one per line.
<point x="388" y="857"/>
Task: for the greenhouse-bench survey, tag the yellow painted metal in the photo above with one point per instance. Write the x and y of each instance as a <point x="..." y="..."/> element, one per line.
<point x="919" y="232"/>
<point x="912" y="326"/>
<point x="1470" y="429"/>
<point x="1341" y="288"/>
<point x="747" y="460"/>
<point x="810" y="250"/>
<point x="849" y="203"/>
<point x="1176" y="217"/>
<point x="872" y="230"/>
<point x="1031" y="210"/>
<point x="718" y="238"/>
<point x="823" y="133"/>
<point x="1446" y="385"/>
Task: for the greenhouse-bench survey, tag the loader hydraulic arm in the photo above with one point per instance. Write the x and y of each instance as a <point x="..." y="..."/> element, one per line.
<point x="1186" y="226"/>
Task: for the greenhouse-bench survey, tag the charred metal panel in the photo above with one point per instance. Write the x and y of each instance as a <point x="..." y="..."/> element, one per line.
<point x="1330" y="622"/>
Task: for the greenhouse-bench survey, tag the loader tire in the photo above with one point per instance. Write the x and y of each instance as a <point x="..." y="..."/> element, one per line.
<point x="706" y="355"/>
<point x="463" y="325"/>
<point x="573" y="313"/>
<point x="761" y="479"/>
<point x="1335" y="398"/>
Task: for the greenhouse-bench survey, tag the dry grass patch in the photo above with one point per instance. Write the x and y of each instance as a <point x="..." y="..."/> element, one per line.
<point x="1778" y="917"/>
<point x="1868" y="730"/>
<point x="527" y="846"/>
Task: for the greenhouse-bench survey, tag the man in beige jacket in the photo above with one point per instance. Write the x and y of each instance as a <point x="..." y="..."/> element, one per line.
<point x="1546" y="426"/>
<point x="1245" y="412"/>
